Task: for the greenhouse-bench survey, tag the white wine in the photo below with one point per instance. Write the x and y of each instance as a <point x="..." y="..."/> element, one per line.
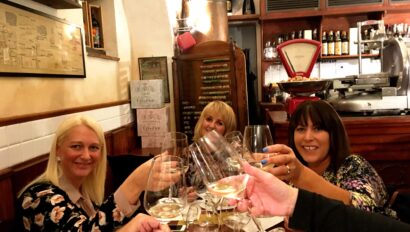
<point x="229" y="187"/>
<point x="166" y="210"/>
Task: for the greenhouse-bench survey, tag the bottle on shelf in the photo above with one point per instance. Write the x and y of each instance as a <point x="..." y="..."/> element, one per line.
<point x="96" y="32"/>
<point x="330" y="44"/>
<point x="292" y="35"/>
<point x="229" y="7"/>
<point x="324" y="44"/>
<point x="314" y="34"/>
<point x="300" y="34"/>
<point x="248" y="7"/>
<point x="338" y="44"/>
<point x="365" y="46"/>
<point x="345" y="43"/>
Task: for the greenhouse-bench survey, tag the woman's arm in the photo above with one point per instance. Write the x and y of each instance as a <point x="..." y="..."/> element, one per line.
<point x="135" y="183"/>
<point x="290" y="169"/>
<point x="313" y="212"/>
<point x="311" y="181"/>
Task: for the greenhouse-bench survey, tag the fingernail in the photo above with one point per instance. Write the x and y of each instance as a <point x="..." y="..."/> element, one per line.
<point x="265" y="149"/>
<point x="263" y="162"/>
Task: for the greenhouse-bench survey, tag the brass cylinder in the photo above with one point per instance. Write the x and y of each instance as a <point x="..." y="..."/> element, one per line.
<point x="211" y="21"/>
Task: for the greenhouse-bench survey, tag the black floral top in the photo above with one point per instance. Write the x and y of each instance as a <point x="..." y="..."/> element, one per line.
<point x="367" y="189"/>
<point x="46" y="207"/>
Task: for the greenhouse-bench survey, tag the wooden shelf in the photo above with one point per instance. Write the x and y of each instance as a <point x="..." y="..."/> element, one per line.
<point x="236" y="18"/>
<point x="348" y="56"/>
<point x="60" y="4"/>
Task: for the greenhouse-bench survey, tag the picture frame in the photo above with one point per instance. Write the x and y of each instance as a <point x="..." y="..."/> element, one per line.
<point x="152" y="68"/>
<point x="38" y="44"/>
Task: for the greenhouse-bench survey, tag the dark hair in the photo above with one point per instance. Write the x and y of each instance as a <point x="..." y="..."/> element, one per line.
<point x="324" y="117"/>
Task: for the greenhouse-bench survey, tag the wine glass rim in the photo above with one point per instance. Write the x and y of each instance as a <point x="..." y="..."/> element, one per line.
<point x="259" y="125"/>
<point x="176" y="135"/>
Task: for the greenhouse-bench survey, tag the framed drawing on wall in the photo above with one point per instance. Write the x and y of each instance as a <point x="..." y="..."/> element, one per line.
<point x="37" y="44"/>
<point x="155" y="68"/>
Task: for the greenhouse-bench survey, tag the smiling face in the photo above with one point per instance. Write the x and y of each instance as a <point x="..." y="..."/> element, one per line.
<point x="312" y="142"/>
<point x="79" y="152"/>
<point x="213" y="122"/>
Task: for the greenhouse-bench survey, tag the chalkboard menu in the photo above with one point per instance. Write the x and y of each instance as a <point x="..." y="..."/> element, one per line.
<point x="213" y="70"/>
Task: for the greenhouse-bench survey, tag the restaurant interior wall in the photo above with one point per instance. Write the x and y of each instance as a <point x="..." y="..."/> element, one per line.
<point x="107" y="80"/>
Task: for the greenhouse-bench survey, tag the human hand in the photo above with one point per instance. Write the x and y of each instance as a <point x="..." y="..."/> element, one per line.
<point x="266" y="194"/>
<point x="144" y="223"/>
<point x="287" y="167"/>
<point x="164" y="172"/>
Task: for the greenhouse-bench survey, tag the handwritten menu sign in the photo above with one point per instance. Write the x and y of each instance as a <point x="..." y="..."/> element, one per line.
<point x="147" y="94"/>
<point x="35" y="44"/>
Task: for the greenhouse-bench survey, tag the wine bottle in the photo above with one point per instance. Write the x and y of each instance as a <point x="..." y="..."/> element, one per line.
<point x="345" y="43"/>
<point x="324" y="44"/>
<point x="330" y="44"/>
<point x="338" y="44"/>
<point x="248" y="7"/>
<point x="96" y="33"/>
<point x="229" y="6"/>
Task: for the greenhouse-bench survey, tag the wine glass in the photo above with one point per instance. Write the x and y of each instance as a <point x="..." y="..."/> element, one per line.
<point x="236" y="220"/>
<point x="257" y="137"/>
<point x="176" y="143"/>
<point x="235" y="138"/>
<point x="200" y="218"/>
<point x="219" y="165"/>
<point x="165" y="194"/>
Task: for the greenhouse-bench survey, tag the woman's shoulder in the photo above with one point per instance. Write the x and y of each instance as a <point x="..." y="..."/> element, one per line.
<point x="355" y="159"/>
<point x="42" y="189"/>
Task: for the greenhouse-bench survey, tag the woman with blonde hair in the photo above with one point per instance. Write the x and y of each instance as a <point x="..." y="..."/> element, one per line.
<point x="69" y="195"/>
<point x="216" y="115"/>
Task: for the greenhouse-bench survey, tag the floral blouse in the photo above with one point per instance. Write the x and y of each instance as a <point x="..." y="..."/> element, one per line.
<point x="366" y="187"/>
<point x="46" y="207"/>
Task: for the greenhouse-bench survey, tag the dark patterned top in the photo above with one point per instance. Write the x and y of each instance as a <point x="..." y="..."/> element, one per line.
<point x="46" y="207"/>
<point x="366" y="187"/>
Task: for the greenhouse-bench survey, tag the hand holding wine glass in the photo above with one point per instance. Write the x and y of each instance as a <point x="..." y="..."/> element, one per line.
<point x="165" y="195"/>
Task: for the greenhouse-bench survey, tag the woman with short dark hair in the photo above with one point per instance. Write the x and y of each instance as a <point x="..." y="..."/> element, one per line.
<point x="322" y="162"/>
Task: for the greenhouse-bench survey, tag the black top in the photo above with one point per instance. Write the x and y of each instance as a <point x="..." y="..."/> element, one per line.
<point x="314" y="212"/>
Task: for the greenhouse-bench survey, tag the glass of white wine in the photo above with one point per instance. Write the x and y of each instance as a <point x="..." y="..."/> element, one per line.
<point x="219" y="166"/>
<point x="176" y="143"/>
<point x="257" y="137"/>
<point x="165" y="195"/>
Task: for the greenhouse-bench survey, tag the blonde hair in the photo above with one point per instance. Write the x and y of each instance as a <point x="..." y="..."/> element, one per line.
<point x="216" y="108"/>
<point x="94" y="183"/>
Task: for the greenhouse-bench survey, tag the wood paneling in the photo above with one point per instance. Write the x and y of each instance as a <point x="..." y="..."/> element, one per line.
<point x="55" y="113"/>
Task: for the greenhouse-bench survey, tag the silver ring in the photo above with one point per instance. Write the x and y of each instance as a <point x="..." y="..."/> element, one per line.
<point x="287" y="166"/>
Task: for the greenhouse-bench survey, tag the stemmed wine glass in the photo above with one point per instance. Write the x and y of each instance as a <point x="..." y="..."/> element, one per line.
<point x="219" y="165"/>
<point x="255" y="138"/>
<point x="176" y="143"/>
<point x="165" y="195"/>
<point x="235" y="138"/>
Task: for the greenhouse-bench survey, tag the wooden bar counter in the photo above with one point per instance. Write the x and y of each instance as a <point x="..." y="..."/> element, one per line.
<point x="383" y="140"/>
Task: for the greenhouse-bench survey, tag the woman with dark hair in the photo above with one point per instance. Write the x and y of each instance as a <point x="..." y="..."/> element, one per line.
<point x="321" y="161"/>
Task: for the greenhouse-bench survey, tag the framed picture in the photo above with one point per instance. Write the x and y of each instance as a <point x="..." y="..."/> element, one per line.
<point x="37" y="44"/>
<point x="155" y="68"/>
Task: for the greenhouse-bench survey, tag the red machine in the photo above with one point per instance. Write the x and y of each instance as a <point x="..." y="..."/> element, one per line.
<point x="299" y="56"/>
